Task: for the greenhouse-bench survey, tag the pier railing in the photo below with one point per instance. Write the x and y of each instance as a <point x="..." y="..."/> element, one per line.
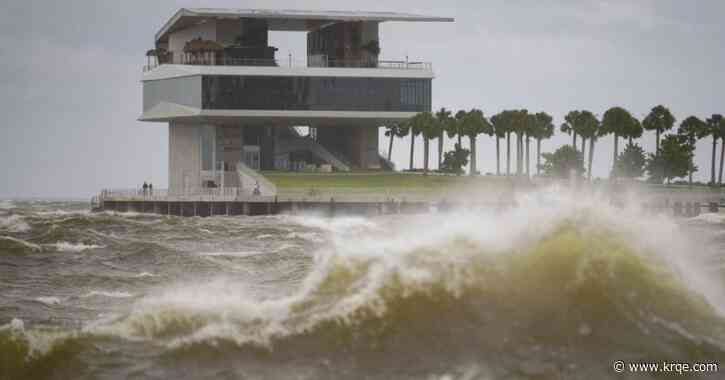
<point x="220" y="194"/>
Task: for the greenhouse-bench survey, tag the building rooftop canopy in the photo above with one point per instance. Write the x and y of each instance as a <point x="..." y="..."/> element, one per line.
<point x="284" y="20"/>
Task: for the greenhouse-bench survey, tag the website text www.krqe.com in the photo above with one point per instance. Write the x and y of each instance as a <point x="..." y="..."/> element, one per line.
<point x="666" y="367"/>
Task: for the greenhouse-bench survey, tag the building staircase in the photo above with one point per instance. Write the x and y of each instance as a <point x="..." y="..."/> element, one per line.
<point x="297" y="143"/>
<point x="252" y="183"/>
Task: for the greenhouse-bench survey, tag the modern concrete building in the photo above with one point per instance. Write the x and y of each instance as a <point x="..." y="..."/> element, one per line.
<point x="232" y="107"/>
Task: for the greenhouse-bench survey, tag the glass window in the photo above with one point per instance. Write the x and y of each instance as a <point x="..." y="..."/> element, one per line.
<point x="316" y="93"/>
<point x="207" y="147"/>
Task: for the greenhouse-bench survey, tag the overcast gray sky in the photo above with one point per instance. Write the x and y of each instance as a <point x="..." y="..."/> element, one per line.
<point x="71" y="94"/>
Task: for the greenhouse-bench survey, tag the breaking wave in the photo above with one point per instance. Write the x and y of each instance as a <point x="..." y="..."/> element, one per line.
<point x="558" y="282"/>
<point x="13" y="223"/>
<point x="555" y="273"/>
<point x="64" y="246"/>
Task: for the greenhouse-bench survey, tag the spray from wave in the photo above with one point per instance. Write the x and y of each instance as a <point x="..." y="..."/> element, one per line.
<point x="570" y="274"/>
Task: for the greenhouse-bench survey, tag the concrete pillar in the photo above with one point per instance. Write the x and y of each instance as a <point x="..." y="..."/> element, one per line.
<point x="245" y="208"/>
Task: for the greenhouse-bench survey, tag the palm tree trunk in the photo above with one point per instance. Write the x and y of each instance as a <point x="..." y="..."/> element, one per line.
<point x="616" y="153"/>
<point x="518" y="153"/>
<point x="692" y="142"/>
<point x="584" y="148"/>
<point x="538" y="156"/>
<point x="508" y="153"/>
<point x="714" y="148"/>
<point x="528" y="175"/>
<point x="440" y="150"/>
<point x="573" y="139"/>
<point x="412" y="149"/>
<point x="426" y="144"/>
<point x="591" y="157"/>
<point x="390" y="146"/>
<point x="459" y="141"/>
<point x="473" y="155"/>
<point x="498" y="157"/>
<point x="630" y="141"/>
<point x="657" y="142"/>
<point x="722" y="159"/>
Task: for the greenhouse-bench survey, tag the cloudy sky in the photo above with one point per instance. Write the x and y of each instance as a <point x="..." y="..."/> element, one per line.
<point x="71" y="94"/>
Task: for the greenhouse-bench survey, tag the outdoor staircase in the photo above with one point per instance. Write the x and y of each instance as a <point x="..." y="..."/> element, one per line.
<point x="250" y="179"/>
<point x="385" y="163"/>
<point x="337" y="161"/>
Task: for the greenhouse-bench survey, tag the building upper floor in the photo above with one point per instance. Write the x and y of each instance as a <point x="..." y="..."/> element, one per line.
<point x="240" y="37"/>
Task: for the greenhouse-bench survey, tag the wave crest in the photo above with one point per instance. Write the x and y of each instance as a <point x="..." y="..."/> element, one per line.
<point x="574" y="284"/>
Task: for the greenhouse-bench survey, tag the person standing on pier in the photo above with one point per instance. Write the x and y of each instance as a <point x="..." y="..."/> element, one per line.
<point x="145" y="189"/>
<point x="151" y="189"/>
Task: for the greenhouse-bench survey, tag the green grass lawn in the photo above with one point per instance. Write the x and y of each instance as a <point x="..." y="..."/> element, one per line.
<point x="367" y="180"/>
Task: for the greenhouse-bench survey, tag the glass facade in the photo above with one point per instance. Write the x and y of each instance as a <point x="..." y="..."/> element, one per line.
<point x="315" y="93"/>
<point x="207" y="137"/>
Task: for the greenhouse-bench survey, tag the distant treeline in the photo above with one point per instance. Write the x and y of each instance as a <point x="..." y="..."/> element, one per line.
<point x="673" y="156"/>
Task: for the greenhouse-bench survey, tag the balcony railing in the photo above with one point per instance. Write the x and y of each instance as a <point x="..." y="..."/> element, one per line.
<point x="328" y="63"/>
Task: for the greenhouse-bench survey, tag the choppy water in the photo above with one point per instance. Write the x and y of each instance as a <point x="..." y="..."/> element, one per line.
<point x="558" y="288"/>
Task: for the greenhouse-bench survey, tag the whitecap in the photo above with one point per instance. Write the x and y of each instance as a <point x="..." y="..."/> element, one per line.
<point x="710" y="217"/>
<point x="231" y="254"/>
<point x="27" y="244"/>
<point x="64" y="246"/>
<point x="7" y="204"/>
<point x="145" y="274"/>
<point x="50" y="301"/>
<point x="62" y="213"/>
<point x="14" y="223"/>
<point x="111" y="294"/>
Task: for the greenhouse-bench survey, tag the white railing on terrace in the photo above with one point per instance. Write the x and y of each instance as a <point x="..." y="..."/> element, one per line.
<point x="328" y="63"/>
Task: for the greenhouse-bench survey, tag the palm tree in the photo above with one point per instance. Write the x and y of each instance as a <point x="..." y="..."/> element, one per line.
<point x="635" y="131"/>
<point x="457" y="125"/>
<point x="721" y="133"/>
<point x="429" y="127"/>
<point x="531" y="125"/>
<point x="444" y="119"/>
<point x="619" y="122"/>
<point x="393" y="131"/>
<point x="499" y="129"/>
<point x="518" y="125"/>
<point x="659" y="119"/>
<point x="543" y="129"/>
<point x="474" y="124"/>
<point x="588" y="128"/>
<point x="570" y="126"/>
<point x="413" y="132"/>
<point x="693" y="129"/>
<point x="713" y="129"/>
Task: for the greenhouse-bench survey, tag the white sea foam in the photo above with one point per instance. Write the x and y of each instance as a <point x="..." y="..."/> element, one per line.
<point x="49" y="300"/>
<point x="7" y="204"/>
<point x="32" y="246"/>
<point x="231" y="254"/>
<point x="14" y="223"/>
<point x="710" y="217"/>
<point x="64" y="246"/>
<point x="309" y="236"/>
<point x="62" y="213"/>
<point x="111" y="294"/>
<point x="145" y="274"/>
